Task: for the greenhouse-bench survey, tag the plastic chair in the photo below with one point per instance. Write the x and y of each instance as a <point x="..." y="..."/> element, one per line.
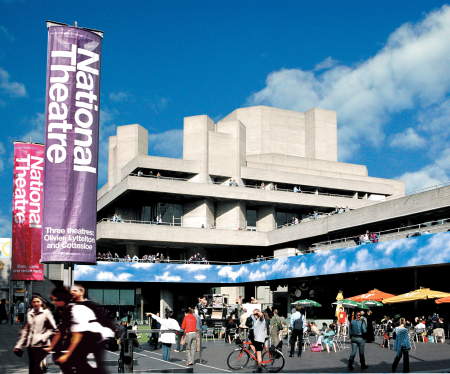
<point x="210" y="334"/>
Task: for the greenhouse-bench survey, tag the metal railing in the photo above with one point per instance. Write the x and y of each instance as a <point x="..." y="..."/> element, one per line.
<point x="384" y="233"/>
<point x="268" y="187"/>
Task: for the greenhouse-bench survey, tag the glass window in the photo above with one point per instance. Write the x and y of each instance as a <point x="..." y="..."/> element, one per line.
<point x="110" y="297"/>
<point x="251" y="217"/>
<point x="126" y="297"/>
<point x="96" y="295"/>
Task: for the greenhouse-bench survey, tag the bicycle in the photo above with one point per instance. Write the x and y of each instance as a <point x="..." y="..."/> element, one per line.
<point x="272" y="358"/>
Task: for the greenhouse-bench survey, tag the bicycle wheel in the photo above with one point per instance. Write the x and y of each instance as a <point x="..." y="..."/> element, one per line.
<point x="273" y="360"/>
<point x="237" y="359"/>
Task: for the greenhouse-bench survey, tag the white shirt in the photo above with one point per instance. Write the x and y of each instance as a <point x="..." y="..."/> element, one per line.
<point x="81" y="317"/>
<point x="167" y="324"/>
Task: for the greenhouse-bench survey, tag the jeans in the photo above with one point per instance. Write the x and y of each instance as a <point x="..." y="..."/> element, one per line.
<point x="191" y="343"/>
<point x="358" y="343"/>
<point x="297" y="334"/>
<point x="398" y="357"/>
<point x="166" y="351"/>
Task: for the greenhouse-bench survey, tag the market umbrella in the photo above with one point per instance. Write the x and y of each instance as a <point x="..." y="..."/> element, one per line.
<point x="346" y="303"/>
<point x="443" y="300"/>
<point x="420" y="294"/>
<point x="307" y="303"/>
<point x="374" y="294"/>
<point x="372" y="303"/>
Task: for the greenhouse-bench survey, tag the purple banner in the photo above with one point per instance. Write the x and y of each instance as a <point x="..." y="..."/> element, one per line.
<point x="71" y="155"/>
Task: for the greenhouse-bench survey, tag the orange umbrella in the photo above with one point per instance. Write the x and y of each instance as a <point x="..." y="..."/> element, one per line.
<point x="373" y="295"/>
<point x="442" y="300"/>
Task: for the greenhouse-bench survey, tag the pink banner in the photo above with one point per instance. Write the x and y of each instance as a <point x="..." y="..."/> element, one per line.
<point x="27" y="212"/>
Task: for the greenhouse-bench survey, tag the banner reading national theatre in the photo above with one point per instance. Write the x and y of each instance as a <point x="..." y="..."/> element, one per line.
<point x="71" y="153"/>
<point x="27" y="212"/>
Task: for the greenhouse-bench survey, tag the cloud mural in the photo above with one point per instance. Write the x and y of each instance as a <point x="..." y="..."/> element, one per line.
<point x="428" y="249"/>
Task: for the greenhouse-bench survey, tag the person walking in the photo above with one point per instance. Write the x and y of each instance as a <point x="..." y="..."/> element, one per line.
<point x="276" y="325"/>
<point x="78" y="293"/>
<point x="298" y="324"/>
<point x="78" y="334"/>
<point x="402" y="346"/>
<point x="189" y="325"/>
<point x="36" y="334"/>
<point x="167" y="338"/>
<point x="358" y="328"/>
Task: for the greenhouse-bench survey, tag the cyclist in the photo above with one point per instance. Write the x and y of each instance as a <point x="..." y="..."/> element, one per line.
<point x="259" y="336"/>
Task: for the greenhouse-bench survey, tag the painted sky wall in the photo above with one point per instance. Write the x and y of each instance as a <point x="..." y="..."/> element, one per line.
<point x="423" y="250"/>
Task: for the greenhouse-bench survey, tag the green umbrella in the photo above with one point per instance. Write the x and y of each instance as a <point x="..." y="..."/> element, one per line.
<point x="346" y="303"/>
<point x="307" y="303"/>
<point x="371" y="303"/>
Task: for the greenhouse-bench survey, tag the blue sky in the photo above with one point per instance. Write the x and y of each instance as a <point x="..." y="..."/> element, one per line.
<point x="383" y="66"/>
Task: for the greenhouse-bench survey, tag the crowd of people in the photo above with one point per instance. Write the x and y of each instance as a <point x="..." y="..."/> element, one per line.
<point x="367" y="237"/>
<point x="153" y="258"/>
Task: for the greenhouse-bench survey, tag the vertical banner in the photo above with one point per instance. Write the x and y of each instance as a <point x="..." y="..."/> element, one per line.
<point x="71" y="154"/>
<point x="27" y="212"/>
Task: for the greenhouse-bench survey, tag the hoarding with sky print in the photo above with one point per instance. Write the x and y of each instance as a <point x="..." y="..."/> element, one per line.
<point x="72" y="121"/>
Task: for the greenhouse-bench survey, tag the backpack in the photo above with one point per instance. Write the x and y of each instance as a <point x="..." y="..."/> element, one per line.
<point x="249" y="322"/>
<point x="298" y="323"/>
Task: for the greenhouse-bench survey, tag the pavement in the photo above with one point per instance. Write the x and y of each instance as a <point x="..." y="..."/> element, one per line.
<point x="427" y="357"/>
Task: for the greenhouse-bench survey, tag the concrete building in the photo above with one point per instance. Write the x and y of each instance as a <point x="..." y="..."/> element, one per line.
<point x="262" y="181"/>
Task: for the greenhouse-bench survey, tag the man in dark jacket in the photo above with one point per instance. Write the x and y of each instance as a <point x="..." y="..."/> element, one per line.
<point x="358" y="329"/>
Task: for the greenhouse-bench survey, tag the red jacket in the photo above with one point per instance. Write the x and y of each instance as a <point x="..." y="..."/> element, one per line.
<point x="189" y="323"/>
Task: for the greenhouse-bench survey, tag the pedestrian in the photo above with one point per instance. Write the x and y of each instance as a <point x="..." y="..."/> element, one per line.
<point x="167" y="338"/>
<point x="79" y="297"/>
<point x="370" y="334"/>
<point x="189" y="325"/>
<point x="198" y="345"/>
<point x="259" y="336"/>
<point x="3" y="312"/>
<point x="358" y="328"/>
<point x="78" y="334"/>
<point x="298" y="324"/>
<point x="276" y="325"/>
<point x="402" y="346"/>
<point x="36" y="334"/>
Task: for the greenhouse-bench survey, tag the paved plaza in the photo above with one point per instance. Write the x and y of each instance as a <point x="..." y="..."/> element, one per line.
<point x="427" y="357"/>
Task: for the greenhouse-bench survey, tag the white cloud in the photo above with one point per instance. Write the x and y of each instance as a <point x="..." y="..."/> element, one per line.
<point x="193" y="267"/>
<point x="168" y="143"/>
<point x="11" y="88"/>
<point x="200" y="277"/>
<point x="109" y="276"/>
<point x="119" y="96"/>
<point x="302" y="271"/>
<point x="328" y="63"/>
<point x="166" y="277"/>
<point x="436" y="251"/>
<point x="158" y="104"/>
<point x="142" y="265"/>
<point x="333" y="266"/>
<point x="363" y="261"/>
<point x="408" y="139"/>
<point x="257" y="275"/>
<point x="36" y="132"/>
<point x="84" y="269"/>
<point x="431" y="175"/>
<point x="395" y="245"/>
<point x="227" y="272"/>
<point x="411" y="71"/>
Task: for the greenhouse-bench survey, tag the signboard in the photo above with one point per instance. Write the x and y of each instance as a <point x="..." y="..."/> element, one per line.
<point x="71" y="155"/>
<point x="5" y="261"/>
<point x="27" y="211"/>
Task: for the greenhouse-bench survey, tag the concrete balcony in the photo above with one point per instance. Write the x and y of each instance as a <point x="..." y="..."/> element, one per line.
<point x="218" y="191"/>
<point x="135" y="231"/>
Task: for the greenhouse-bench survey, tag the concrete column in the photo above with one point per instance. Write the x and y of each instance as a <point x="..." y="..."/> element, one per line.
<point x="196" y="144"/>
<point x="130" y="141"/>
<point x="321" y="134"/>
<point x="231" y="215"/>
<point x="237" y="152"/>
<point x="132" y="249"/>
<point x="199" y="213"/>
<point x="165" y="300"/>
<point x="265" y="218"/>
